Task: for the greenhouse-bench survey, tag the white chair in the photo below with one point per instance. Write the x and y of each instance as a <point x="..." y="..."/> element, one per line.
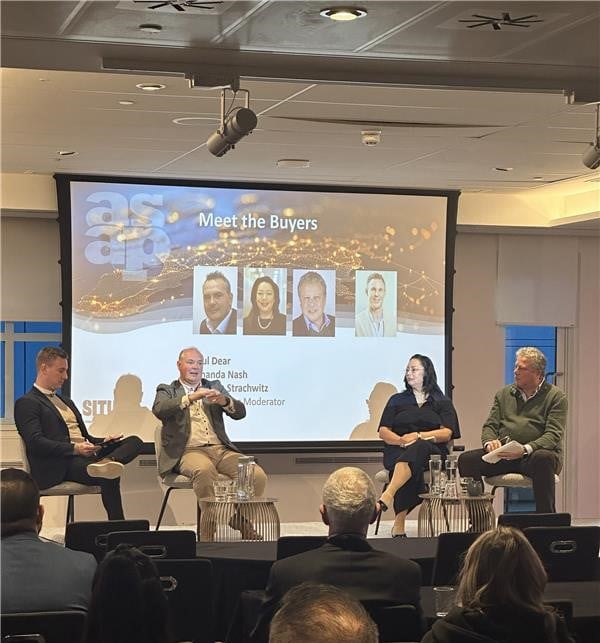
<point x="172" y="481"/>
<point x="67" y="488"/>
<point x="511" y="480"/>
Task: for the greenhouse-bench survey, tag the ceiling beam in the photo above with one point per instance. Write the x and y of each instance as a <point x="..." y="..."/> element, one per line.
<point x="579" y="84"/>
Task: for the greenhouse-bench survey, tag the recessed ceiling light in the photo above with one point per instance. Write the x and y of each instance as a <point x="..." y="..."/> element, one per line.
<point x="293" y="163"/>
<point x="28" y="172"/>
<point x="67" y="152"/>
<point x="503" y="169"/>
<point x="192" y="120"/>
<point x="150" y="28"/>
<point x="150" y="87"/>
<point x="126" y="102"/>
<point x="343" y="14"/>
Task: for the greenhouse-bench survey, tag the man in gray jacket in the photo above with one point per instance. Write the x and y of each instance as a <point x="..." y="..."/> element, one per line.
<point x="37" y="576"/>
<point x="194" y="441"/>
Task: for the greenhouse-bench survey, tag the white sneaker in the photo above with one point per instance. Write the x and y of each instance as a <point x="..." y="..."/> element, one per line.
<point x="105" y="468"/>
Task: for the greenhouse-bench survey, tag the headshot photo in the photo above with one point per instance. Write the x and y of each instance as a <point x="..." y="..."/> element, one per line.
<point x="264" y="301"/>
<point x="375" y="303"/>
<point x="314" y="303"/>
<point x="215" y="301"/>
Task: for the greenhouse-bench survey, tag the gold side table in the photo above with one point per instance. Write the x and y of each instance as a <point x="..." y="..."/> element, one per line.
<point x="438" y="514"/>
<point x="217" y="516"/>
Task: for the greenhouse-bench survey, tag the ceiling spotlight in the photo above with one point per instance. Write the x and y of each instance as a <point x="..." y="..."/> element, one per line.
<point x="67" y="152"/>
<point x="235" y="124"/>
<point x="591" y="158"/>
<point x="343" y="14"/>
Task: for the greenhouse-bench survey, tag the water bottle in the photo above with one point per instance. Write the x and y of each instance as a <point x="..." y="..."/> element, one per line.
<point x="245" y="487"/>
<point x="435" y="472"/>
<point x="451" y="490"/>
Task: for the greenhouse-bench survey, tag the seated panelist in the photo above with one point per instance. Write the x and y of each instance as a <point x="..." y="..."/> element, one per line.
<point x="194" y="440"/>
<point x="59" y="447"/>
<point x="416" y="424"/>
<point x="531" y="413"/>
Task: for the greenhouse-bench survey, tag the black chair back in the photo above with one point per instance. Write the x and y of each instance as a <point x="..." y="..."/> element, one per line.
<point x="188" y="585"/>
<point x="564" y="606"/>
<point x="523" y="520"/>
<point x="397" y="623"/>
<point x="451" y="550"/>
<point x="291" y="545"/>
<point x="91" y="536"/>
<point x="568" y="553"/>
<point x="43" y="627"/>
<point x="157" y="544"/>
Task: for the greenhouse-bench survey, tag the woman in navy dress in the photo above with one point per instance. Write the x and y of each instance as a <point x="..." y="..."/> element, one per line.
<point x="416" y="424"/>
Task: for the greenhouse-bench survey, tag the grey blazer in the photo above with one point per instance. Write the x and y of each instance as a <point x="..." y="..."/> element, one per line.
<point x="176" y="424"/>
<point x="40" y="576"/>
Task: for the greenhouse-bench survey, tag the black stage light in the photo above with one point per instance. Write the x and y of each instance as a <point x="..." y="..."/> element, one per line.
<point x="233" y="128"/>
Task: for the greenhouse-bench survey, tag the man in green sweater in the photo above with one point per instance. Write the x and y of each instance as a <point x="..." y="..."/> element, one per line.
<point x="533" y="413"/>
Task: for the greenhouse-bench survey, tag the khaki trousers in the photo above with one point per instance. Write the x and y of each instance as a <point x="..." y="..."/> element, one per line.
<point x="203" y="464"/>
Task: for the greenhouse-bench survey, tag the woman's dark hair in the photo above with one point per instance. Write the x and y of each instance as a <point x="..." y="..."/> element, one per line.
<point x="255" y="285"/>
<point x="128" y="604"/>
<point x="430" y="384"/>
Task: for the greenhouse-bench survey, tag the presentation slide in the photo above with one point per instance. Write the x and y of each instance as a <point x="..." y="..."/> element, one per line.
<point x="306" y="305"/>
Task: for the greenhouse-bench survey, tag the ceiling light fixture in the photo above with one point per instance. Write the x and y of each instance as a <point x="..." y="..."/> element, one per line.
<point x="236" y="123"/>
<point x="293" y="163"/>
<point x="126" y="102"/>
<point x="591" y="158"/>
<point x="343" y="14"/>
<point x="67" y="152"/>
<point x="150" y="87"/>
<point x="503" y="169"/>
<point x="150" y="28"/>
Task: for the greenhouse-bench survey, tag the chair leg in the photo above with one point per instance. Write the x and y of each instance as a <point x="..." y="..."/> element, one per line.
<point x="198" y="513"/>
<point x="163" y="507"/>
<point x="379" y="514"/>
<point x="70" y="509"/>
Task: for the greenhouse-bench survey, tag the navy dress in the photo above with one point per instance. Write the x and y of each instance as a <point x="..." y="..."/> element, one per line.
<point x="403" y="415"/>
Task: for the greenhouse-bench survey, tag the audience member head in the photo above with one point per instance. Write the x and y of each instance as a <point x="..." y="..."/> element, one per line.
<point x="348" y="502"/>
<point x="502" y="569"/>
<point x="321" y="614"/>
<point x="20" y="496"/>
<point x="426" y="379"/>
<point x="128" y="604"/>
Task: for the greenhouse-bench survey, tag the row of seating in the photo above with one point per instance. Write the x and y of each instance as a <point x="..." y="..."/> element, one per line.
<point x="568" y="553"/>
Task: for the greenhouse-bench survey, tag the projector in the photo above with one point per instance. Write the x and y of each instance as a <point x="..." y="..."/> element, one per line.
<point x="591" y="158"/>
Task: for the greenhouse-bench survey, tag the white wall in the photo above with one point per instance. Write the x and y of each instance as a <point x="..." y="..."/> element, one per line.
<point x="478" y="372"/>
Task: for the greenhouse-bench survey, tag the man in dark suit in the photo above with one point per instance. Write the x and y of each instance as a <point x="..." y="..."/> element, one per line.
<point x="221" y="318"/>
<point x="312" y="295"/>
<point x="37" y="576"/>
<point x="57" y="442"/>
<point x="194" y="441"/>
<point x="346" y="560"/>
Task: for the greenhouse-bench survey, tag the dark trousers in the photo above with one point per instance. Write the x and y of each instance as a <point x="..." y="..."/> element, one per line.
<point x="540" y="466"/>
<point x="123" y="452"/>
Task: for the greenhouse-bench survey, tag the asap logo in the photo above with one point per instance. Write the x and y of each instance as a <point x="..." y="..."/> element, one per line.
<point x="129" y="232"/>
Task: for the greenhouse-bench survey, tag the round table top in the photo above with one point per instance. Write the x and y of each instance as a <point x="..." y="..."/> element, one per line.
<point x="431" y="496"/>
<point x="238" y="501"/>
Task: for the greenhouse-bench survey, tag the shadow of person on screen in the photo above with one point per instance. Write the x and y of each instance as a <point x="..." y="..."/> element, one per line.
<point x="381" y="393"/>
<point x="128" y="416"/>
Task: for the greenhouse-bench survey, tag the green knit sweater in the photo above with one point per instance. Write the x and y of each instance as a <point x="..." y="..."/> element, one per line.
<point x="540" y="422"/>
